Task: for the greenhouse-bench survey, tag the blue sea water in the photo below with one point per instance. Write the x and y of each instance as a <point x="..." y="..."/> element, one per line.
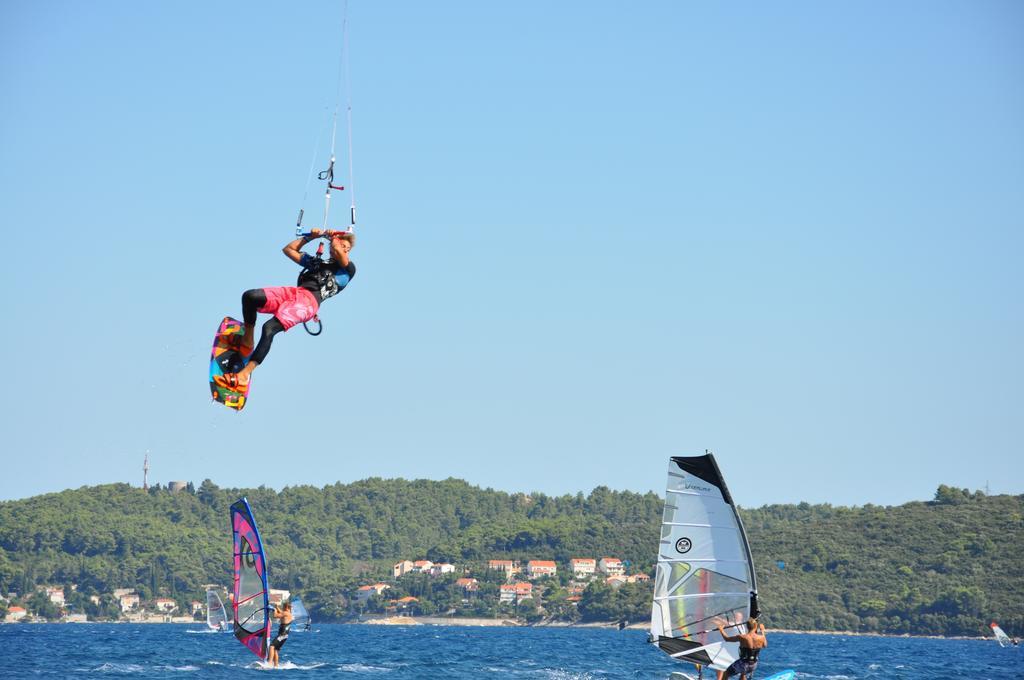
<point x="451" y="652"/>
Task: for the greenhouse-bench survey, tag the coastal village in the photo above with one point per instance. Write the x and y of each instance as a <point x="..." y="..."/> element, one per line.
<point x="521" y="583"/>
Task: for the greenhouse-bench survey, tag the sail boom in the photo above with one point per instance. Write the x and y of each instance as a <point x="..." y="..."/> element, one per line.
<point x="669" y="598"/>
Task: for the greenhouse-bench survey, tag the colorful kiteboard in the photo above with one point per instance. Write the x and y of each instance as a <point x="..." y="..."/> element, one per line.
<point x="229" y="356"/>
<point x="783" y="675"/>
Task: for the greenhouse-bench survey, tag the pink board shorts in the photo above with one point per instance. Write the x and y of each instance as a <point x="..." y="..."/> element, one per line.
<point x="290" y="304"/>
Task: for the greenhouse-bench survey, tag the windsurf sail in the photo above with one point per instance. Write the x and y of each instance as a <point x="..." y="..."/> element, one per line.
<point x="1002" y="638"/>
<point x="705" y="574"/>
<point x="250" y="603"/>
<point x="216" y="615"/>
<point x="300" y="617"/>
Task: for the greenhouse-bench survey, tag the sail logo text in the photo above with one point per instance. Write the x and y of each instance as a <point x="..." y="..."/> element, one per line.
<point x="696" y="487"/>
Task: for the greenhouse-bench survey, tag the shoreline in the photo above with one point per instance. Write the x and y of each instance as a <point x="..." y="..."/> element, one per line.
<point x="507" y="623"/>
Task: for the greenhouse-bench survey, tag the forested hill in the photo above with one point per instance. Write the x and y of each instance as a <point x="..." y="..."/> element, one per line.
<point x="946" y="566"/>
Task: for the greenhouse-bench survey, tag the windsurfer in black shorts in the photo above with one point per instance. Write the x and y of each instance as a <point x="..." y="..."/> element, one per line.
<point x="282" y="611"/>
<point x="751" y="644"/>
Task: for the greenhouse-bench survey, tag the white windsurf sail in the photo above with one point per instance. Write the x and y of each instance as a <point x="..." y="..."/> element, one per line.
<point x="300" y="616"/>
<point x="705" y="576"/>
<point x="216" y="615"/>
<point x="1002" y="638"/>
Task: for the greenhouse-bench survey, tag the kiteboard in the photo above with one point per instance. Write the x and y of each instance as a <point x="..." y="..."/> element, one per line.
<point x="229" y="356"/>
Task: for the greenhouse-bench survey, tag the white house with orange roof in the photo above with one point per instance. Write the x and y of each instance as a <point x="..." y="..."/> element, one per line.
<point x="617" y="580"/>
<point x="276" y="596"/>
<point x="583" y="566"/>
<point x="422" y="566"/>
<point x="515" y="592"/>
<point x="405" y="602"/>
<point x="538" y="568"/>
<point x="401" y="568"/>
<point x="15" y="613"/>
<point x="442" y="569"/>
<point x="128" y="602"/>
<point x="164" y="604"/>
<point x="509" y="567"/>
<point x="612" y="566"/>
<point x="467" y="584"/>
<point x="56" y="595"/>
<point x="364" y="593"/>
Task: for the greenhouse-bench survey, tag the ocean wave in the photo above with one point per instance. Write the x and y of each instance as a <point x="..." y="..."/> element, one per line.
<point x="363" y="668"/>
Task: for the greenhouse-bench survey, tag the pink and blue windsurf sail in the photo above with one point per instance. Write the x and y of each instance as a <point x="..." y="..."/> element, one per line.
<point x="251" y="602"/>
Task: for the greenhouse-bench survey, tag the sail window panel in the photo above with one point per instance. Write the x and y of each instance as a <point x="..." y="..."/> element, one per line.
<point x="668" y="575"/>
<point x="706" y="581"/>
<point x="251" y="615"/>
<point x="701" y="616"/>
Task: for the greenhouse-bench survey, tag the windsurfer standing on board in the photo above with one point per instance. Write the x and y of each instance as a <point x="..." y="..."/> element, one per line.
<point x="751" y="644"/>
<point x="282" y="611"/>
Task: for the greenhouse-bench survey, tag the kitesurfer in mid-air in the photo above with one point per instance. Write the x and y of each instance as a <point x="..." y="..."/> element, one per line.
<point x="283" y="612"/>
<point x="751" y="644"/>
<point x="291" y="305"/>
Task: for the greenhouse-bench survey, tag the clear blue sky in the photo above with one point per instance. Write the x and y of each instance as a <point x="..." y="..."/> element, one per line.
<point x="592" y="235"/>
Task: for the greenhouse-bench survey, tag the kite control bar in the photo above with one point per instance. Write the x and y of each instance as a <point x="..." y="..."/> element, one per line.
<point x="327" y="233"/>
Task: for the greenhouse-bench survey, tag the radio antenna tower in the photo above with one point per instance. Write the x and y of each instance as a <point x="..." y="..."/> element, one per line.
<point x="145" y="472"/>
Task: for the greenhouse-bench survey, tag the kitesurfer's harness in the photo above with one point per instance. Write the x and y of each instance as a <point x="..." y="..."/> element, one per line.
<point x="749" y="655"/>
<point x="322" y="276"/>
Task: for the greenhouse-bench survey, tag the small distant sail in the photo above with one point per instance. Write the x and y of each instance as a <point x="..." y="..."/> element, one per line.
<point x="216" y="615"/>
<point x="300" y="616"/>
<point x="705" y="575"/>
<point x="250" y="603"/>
<point x="1002" y="638"/>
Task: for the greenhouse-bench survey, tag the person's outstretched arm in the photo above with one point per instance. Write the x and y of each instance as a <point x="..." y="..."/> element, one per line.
<point x="726" y="637"/>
